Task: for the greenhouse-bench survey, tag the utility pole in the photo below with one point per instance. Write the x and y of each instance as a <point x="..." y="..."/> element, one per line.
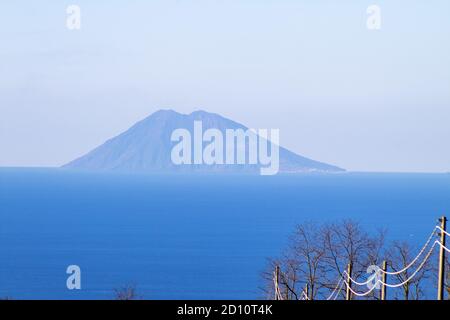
<point x="307" y="291"/>
<point x="440" y="296"/>
<point x="383" y="278"/>
<point x="348" y="295"/>
<point x="277" y="281"/>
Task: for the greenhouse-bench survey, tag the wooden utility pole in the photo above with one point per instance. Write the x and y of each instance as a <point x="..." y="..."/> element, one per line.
<point x="440" y="295"/>
<point x="348" y="295"/>
<point x="383" y="278"/>
<point x="277" y="281"/>
<point x="307" y="291"/>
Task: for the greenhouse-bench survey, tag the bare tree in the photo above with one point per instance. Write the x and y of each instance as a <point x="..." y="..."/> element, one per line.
<point x="317" y="257"/>
<point x="127" y="292"/>
<point x="348" y="243"/>
<point x="306" y="260"/>
<point x="302" y="265"/>
<point x="400" y="255"/>
<point x="290" y="283"/>
<point x="267" y="275"/>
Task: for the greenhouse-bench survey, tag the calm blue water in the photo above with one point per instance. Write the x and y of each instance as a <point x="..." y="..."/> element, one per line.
<point x="180" y="237"/>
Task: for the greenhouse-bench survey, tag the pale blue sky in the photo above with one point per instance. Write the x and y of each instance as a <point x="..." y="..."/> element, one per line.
<point x="339" y="93"/>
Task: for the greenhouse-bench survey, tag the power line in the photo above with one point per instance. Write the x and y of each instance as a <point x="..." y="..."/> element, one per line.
<point x="397" y="284"/>
<point x="415" y="259"/>
<point x="442" y="246"/>
<point x="442" y="230"/>
<point x="304" y="296"/>
<point x="414" y="273"/>
<point x="342" y="280"/>
<point x="339" y="285"/>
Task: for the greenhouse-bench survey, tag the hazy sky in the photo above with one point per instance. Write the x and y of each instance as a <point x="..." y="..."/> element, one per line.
<point x="338" y="92"/>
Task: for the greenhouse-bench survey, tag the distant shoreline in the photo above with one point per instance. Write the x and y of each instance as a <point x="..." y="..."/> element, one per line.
<point x="219" y="173"/>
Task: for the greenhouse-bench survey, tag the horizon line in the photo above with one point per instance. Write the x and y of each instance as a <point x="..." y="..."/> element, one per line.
<point x="218" y="173"/>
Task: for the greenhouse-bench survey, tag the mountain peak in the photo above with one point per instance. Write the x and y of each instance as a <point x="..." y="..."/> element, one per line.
<point x="202" y="113"/>
<point x="147" y="147"/>
<point x="164" y="113"/>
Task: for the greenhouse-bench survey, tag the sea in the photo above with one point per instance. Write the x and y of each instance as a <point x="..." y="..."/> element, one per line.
<point x="186" y="236"/>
